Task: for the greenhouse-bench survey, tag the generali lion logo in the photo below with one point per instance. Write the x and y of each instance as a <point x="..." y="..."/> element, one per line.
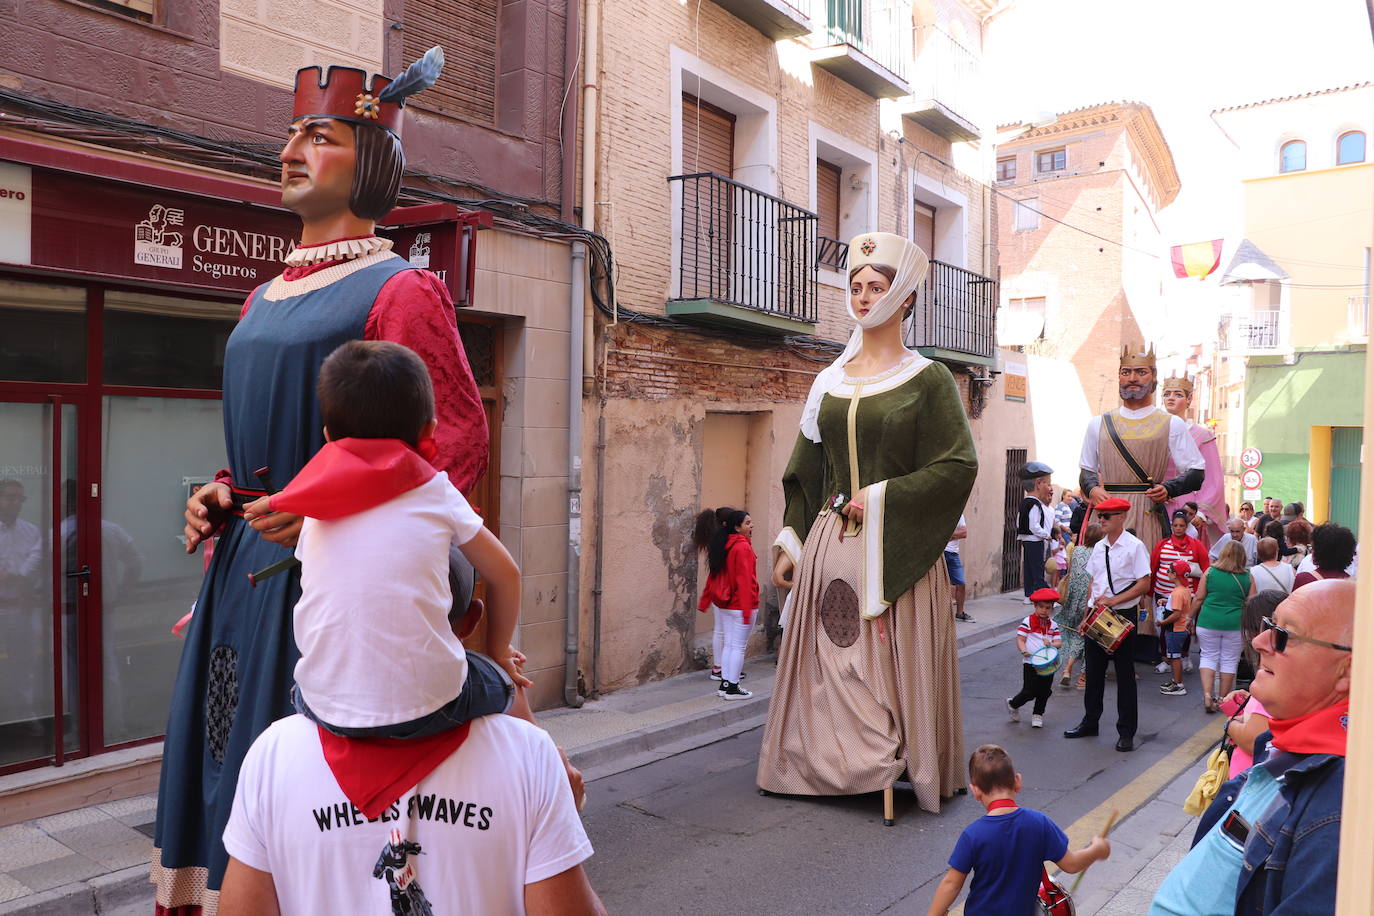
<point x="157" y="242"/>
<point x="419" y="250"/>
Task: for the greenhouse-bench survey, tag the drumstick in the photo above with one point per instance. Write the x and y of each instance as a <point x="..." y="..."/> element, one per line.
<point x="1111" y="822"/>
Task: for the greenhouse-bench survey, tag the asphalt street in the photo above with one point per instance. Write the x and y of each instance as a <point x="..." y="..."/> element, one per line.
<point x="691" y="834"/>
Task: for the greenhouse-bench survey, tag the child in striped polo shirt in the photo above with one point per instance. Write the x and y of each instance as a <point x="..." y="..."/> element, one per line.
<point x="1036" y="631"/>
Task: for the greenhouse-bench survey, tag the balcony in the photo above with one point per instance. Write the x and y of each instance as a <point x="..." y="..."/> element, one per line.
<point x="1256" y="332"/>
<point x="864" y="43"/>
<point x="1357" y="316"/>
<point x="745" y="259"/>
<point x="946" y="86"/>
<point x="777" y="19"/>
<point x="955" y="317"/>
<point x="832" y="253"/>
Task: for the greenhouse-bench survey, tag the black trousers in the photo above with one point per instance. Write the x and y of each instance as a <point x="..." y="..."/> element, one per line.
<point x="1096" y="659"/>
<point x="1032" y="566"/>
<point x="1037" y="687"/>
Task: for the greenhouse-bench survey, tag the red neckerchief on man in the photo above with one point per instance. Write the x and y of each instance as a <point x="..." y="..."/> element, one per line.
<point x="1320" y="732"/>
<point x="374" y="772"/>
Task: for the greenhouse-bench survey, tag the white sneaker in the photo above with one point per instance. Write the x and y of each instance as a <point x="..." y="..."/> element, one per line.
<point x="1162" y="667"/>
<point x="1188" y="665"/>
<point x="1036" y="721"/>
<point x="1013" y="712"/>
<point x="1026" y="600"/>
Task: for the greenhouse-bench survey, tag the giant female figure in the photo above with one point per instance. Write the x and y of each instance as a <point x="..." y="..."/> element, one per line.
<point x="341" y="170"/>
<point x="868" y="675"/>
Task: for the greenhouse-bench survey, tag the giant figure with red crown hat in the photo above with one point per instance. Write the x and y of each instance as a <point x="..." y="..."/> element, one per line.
<point x="341" y="172"/>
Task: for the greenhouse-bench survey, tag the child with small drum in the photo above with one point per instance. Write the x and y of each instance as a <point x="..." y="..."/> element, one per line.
<point x="1038" y="639"/>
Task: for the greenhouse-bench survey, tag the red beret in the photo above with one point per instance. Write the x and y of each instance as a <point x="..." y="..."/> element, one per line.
<point x="1045" y="594"/>
<point x="1182" y="567"/>
<point x="1115" y="504"/>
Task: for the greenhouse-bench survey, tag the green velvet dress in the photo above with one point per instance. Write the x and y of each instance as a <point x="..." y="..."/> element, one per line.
<point x="868" y="672"/>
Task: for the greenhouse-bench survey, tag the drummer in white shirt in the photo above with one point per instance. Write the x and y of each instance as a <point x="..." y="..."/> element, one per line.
<point x="1120" y="567"/>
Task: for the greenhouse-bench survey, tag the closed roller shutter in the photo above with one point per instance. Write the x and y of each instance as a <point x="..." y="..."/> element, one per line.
<point x="923" y="228"/>
<point x="708" y="138"/>
<point x="828" y="199"/>
<point x="467" y="31"/>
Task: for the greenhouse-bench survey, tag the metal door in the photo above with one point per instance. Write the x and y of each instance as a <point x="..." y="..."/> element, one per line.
<point x="1347" y="445"/>
<point x="1011" y="504"/>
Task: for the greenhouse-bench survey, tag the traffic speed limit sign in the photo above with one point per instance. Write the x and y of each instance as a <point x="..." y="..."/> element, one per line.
<point x="1251" y="457"/>
<point x="1252" y="479"/>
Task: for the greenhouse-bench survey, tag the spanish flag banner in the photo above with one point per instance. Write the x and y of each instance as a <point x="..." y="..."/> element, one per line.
<point x="1198" y="259"/>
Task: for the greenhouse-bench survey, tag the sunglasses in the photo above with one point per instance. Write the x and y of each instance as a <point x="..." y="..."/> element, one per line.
<point x="1281" y="637"/>
<point x="1108" y="514"/>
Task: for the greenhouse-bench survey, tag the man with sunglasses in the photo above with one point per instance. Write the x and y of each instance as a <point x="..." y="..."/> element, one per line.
<point x="1270" y="841"/>
<point x="1120" y="567"/>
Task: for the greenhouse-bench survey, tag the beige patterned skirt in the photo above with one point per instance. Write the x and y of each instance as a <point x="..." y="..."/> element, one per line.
<point x="858" y="702"/>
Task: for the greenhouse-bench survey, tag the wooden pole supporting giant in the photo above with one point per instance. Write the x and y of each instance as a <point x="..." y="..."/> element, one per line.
<point x="888" y="818"/>
<point x="1355" y="879"/>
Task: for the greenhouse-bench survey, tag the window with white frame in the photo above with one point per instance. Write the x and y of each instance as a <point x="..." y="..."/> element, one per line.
<point x="1293" y="156"/>
<point x="841" y="196"/>
<point x="1350" y="147"/>
<point x="1026" y="214"/>
<point x="1051" y="160"/>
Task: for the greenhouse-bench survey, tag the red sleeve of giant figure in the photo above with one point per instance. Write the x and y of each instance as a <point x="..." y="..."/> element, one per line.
<point x="414" y="309"/>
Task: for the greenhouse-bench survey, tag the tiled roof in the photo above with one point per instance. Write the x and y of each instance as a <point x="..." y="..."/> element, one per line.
<point x="1290" y="98"/>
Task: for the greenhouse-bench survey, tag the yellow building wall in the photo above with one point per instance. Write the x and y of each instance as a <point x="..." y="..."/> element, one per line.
<point x="1306" y="219"/>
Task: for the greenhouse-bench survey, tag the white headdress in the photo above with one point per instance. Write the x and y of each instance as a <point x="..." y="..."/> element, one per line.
<point x="911" y="264"/>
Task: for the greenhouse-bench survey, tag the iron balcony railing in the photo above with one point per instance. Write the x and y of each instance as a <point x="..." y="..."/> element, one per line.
<point x="946" y="72"/>
<point x="832" y="253"/>
<point x="876" y="28"/>
<point x="1357" y="315"/>
<point x="743" y="247"/>
<point x="1255" y="331"/>
<point x="956" y="310"/>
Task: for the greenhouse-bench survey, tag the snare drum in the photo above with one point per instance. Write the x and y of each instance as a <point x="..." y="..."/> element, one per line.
<point x="1052" y="899"/>
<point x="1107" y="628"/>
<point x="1044" y="660"/>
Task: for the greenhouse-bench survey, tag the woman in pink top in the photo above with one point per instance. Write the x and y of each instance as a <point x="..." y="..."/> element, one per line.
<point x="1249" y="718"/>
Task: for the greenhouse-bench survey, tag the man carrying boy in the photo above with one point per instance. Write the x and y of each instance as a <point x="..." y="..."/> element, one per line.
<point x="1006" y="849"/>
<point x="1120" y="567"/>
<point x="1037" y="631"/>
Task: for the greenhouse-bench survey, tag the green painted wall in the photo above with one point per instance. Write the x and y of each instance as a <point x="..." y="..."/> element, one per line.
<point x="1283" y="403"/>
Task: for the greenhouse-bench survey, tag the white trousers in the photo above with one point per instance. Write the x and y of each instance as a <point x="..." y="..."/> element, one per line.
<point x="1220" y="649"/>
<point x="736" y="636"/>
<point x="717" y="636"/>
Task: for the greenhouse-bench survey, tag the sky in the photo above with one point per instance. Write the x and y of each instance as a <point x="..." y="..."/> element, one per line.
<point x="1183" y="58"/>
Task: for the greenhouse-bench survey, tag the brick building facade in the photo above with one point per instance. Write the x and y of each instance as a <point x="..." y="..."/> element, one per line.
<point x="1080" y="250"/>
<point x="709" y="113"/>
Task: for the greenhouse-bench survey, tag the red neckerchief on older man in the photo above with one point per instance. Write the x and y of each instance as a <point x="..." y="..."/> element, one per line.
<point x="351" y="475"/>
<point x="374" y="772"/>
<point x="1320" y="732"/>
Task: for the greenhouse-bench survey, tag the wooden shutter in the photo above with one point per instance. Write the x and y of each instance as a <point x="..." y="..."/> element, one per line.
<point x="708" y="138"/>
<point x="923" y="228"/>
<point x="467" y="32"/>
<point x="828" y="199"/>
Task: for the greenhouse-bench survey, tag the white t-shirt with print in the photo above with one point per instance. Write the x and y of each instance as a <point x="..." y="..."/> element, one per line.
<point x="495" y="816"/>
<point x="372" y="623"/>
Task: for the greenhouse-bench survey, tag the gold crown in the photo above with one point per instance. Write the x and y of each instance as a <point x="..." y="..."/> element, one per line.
<point x="1180" y="382"/>
<point x="1135" y="355"/>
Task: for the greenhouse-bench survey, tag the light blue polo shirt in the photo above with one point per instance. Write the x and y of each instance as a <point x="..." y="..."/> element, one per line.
<point x="1204" y="883"/>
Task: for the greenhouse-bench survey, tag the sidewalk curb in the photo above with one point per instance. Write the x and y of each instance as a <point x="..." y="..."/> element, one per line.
<point x="100" y="894"/>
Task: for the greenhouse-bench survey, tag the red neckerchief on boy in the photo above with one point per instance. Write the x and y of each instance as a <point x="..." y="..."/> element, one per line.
<point x="997" y="803"/>
<point x="1320" y="732"/>
<point x="350" y="475"/>
<point x="374" y="772"/>
<point x="1040" y="624"/>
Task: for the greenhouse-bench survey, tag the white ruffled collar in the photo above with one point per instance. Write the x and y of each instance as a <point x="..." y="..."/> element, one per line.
<point x="341" y="250"/>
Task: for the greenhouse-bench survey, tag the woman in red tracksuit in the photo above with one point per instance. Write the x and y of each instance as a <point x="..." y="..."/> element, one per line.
<point x="733" y="587"/>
